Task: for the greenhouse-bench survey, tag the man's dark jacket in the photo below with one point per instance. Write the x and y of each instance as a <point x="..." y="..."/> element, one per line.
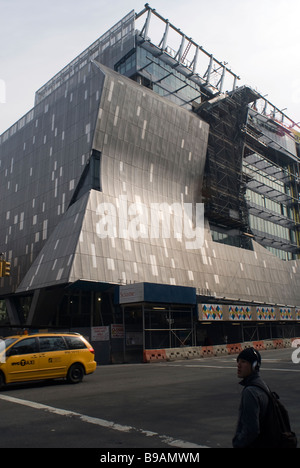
<point x="252" y="410"/>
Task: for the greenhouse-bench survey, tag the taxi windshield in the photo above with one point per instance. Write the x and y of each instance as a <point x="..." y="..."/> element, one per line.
<point x="4" y="343"/>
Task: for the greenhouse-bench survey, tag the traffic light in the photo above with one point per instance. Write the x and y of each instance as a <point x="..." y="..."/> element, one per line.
<point x="6" y="268"/>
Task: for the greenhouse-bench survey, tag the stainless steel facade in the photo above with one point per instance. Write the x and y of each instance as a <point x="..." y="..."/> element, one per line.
<point x="98" y="152"/>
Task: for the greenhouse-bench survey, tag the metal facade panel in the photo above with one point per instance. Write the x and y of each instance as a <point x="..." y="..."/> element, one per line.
<point x="151" y="152"/>
<point x="41" y="165"/>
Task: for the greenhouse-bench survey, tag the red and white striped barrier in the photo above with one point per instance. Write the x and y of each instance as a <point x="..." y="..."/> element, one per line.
<point x="194" y="352"/>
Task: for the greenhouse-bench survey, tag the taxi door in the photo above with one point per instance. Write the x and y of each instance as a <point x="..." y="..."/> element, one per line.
<point x="22" y="361"/>
<point x="54" y="357"/>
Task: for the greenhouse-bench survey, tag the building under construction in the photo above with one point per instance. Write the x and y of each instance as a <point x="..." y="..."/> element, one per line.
<point x="127" y="133"/>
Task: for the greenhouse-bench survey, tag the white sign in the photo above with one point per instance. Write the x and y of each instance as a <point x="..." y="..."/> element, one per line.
<point x="100" y="334"/>
<point x="117" y="330"/>
<point x="131" y="293"/>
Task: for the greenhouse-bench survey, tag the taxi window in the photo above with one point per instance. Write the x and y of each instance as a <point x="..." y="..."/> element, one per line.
<point x="74" y="342"/>
<point x="26" y="346"/>
<point x="7" y="342"/>
<point x="52" y="343"/>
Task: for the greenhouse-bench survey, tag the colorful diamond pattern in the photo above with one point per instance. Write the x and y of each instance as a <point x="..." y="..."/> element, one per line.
<point x="240" y="312"/>
<point x="212" y="312"/>
<point x="265" y="313"/>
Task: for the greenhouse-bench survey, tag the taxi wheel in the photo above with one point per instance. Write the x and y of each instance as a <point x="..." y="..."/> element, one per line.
<point x="75" y="373"/>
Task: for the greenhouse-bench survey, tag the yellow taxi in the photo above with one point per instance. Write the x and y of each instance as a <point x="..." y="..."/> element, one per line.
<point x="45" y="356"/>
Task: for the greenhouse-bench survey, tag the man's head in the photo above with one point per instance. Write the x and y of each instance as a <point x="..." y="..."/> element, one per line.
<point x="248" y="361"/>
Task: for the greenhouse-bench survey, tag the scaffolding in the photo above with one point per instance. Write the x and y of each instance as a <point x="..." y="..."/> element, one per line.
<point x="187" y="56"/>
<point x="224" y="182"/>
<point x="248" y="135"/>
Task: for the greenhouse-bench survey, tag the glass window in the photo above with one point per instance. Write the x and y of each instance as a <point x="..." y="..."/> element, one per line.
<point x="7" y="342"/>
<point x="75" y="342"/>
<point x="52" y="343"/>
<point x="26" y="346"/>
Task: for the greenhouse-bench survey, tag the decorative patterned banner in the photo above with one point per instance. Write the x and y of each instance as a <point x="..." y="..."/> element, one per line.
<point x="212" y="312"/>
<point x="285" y="313"/>
<point x="265" y="313"/>
<point x="240" y="312"/>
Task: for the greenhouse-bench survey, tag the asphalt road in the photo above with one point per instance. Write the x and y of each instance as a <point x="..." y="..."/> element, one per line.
<point x="184" y="404"/>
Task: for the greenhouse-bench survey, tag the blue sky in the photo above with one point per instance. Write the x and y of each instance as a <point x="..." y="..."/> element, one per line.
<point x="259" y="39"/>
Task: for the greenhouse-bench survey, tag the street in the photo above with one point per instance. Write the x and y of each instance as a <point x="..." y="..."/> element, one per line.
<point x="182" y="404"/>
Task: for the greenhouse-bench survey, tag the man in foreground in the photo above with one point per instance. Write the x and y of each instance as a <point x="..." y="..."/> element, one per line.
<point x="254" y="400"/>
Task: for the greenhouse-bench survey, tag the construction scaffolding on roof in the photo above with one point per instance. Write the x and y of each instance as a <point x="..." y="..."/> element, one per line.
<point x="173" y="47"/>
